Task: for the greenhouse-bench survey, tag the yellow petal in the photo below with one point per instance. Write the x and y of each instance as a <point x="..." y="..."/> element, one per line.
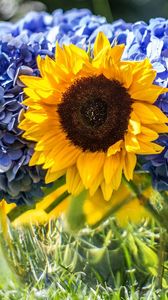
<point x="101" y="42"/>
<point x="52" y="72"/>
<point x="160" y="128"/>
<point x="34" y="158"/>
<point x="96" y="183"/>
<point x="35" y="82"/>
<point x="131" y="142"/>
<point x="51" y="154"/>
<point x="95" y="207"/>
<point x="149" y="148"/>
<point x="149" y="114"/>
<point x="126" y="71"/>
<point x="33" y="133"/>
<point x="117" y="52"/>
<point x="41" y="65"/>
<point x="49" y="137"/>
<point x="101" y="60"/>
<point x="107" y="62"/>
<point x="32" y="216"/>
<point x="73" y="180"/>
<point x="65" y="158"/>
<point x="9" y="207"/>
<point x="60" y="56"/>
<point x="52" y="176"/>
<point x="134" y="124"/>
<point x="147" y="134"/>
<point x="148" y="94"/>
<point x="89" y="165"/>
<point x="143" y="75"/>
<point x="107" y="190"/>
<point x="36" y="116"/>
<point x="114" y="148"/>
<point x="110" y="166"/>
<point x="32" y="94"/>
<point x="116" y="180"/>
<point x="79" y="58"/>
<point x="39" y="161"/>
<point x="71" y="59"/>
<point x="129" y="165"/>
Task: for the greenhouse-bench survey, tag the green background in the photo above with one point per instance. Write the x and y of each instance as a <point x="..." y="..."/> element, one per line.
<point x="129" y="10"/>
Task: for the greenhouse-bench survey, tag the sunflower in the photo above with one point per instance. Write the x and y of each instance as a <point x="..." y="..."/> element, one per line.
<point x="90" y="115"/>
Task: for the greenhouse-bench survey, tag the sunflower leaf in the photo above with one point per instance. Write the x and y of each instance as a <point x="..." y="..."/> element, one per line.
<point x="75" y="216"/>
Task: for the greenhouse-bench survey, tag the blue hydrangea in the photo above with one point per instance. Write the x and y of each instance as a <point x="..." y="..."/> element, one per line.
<point x="158" y="166"/>
<point x="18" y="182"/>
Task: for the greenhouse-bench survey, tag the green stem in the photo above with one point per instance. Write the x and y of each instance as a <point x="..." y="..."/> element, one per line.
<point x="164" y="195"/>
<point x="103" y="8"/>
<point x="18" y="211"/>
<point x="58" y="183"/>
<point x="163" y="227"/>
<point x="145" y="201"/>
<point x="161" y="256"/>
<point x="56" y="202"/>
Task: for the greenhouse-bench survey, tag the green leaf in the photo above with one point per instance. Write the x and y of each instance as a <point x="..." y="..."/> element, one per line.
<point x="132" y="245"/>
<point x="148" y="256"/>
<point x="96" y="255"/>
<point x="7" y="276"/>
<point x="58" y="183"/>
<point x="75" y="216"/>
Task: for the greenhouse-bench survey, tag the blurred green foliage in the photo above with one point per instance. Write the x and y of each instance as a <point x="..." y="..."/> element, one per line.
<point x="129" y="10"/>
<point x="110" y="262"/>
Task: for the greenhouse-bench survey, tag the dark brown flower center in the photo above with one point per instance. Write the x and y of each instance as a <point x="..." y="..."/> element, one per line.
<point x="94" y="113"/>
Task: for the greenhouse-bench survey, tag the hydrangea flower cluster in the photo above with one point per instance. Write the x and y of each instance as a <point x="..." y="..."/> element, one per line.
<point x="36" y="34"/>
